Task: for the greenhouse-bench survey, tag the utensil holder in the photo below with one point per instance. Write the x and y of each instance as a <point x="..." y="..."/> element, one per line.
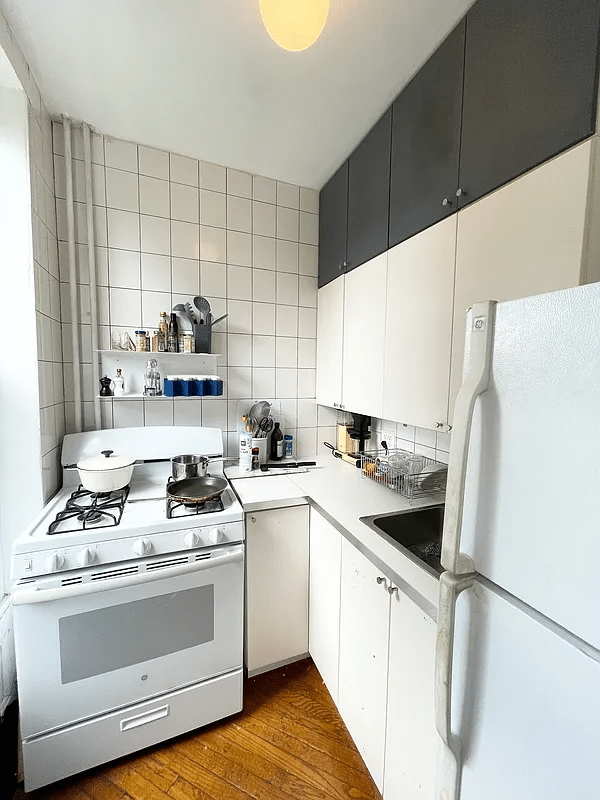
<point x="202" y="338"/>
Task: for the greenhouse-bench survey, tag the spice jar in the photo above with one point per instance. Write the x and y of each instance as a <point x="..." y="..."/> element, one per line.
<point x="140" y="341"/>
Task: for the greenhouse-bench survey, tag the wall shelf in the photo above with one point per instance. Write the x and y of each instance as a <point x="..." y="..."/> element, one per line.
<point x="132" y="364"/>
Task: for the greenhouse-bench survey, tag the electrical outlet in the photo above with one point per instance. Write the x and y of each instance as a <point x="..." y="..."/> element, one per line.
<point x="389" y="437"/>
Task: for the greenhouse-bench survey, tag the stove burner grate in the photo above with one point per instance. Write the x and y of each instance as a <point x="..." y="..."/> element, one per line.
<point x="177" y="508"/>
<point x="90" y="509"/>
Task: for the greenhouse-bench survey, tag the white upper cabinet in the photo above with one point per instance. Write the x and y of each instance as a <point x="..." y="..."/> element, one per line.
<point x="420" y="285"/>
<point x="330" y="332"/>
<point x="364" y="337"/>
<point x="527" y="238"/>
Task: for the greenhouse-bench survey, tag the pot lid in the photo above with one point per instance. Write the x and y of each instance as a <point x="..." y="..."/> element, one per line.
<point x="106" y="461"/>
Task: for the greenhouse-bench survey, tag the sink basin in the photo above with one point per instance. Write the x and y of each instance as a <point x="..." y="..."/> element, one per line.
<point x="416" y="532"/>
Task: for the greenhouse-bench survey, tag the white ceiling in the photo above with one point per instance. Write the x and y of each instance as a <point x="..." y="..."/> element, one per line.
<point x="203" y="78"/>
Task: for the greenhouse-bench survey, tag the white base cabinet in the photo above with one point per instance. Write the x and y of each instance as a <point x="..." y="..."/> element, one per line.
<point x="411" y="741"/>
<point x="324" y="599"/>
<point x="276" y="587"/>
<point x="364" y="637"/>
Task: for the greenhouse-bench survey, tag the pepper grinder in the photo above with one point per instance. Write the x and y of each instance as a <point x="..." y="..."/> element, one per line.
<point x="119" y="383"/>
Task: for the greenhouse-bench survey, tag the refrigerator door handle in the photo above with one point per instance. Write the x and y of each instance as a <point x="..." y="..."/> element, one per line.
<point x="449" y="775"/>
<point x="480" y="334"/>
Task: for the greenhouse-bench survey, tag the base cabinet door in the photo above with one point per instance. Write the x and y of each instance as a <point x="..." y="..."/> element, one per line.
<point x="276" y="587"/>
<point x="324" y="599"/>
<point x="411" y="744"/>
<point x="364" y="636"/>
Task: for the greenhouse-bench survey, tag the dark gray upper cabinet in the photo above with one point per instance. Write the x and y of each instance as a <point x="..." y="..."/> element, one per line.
<point x="529" y="87"/>
<point x="369" y="194"/>
<point x="333" y="222"/>
<point x="426" y="142"/>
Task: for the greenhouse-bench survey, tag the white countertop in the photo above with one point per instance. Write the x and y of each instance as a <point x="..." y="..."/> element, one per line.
<point x="337" y="488"/>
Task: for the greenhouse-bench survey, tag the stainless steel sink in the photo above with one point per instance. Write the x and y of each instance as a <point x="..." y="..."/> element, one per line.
<point x="416" y="532"/>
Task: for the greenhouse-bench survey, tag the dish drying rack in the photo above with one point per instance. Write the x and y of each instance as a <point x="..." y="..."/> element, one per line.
<point x="376" y="466"/>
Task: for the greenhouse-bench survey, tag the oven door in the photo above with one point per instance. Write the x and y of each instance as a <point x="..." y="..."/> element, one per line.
<point x="92" y="647"/>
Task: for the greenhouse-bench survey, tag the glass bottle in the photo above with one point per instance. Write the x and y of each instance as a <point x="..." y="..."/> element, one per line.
<point x="277" y="443"/>
<point x="163" y="329"/>
<point x="173" y="335"/>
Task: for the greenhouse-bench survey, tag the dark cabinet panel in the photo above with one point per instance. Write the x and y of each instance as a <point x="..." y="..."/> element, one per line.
<point x="369" y="194"/>
<point x="529" y="86"/>
<point x="426" y="142"/>
<point x="333" y="221"/>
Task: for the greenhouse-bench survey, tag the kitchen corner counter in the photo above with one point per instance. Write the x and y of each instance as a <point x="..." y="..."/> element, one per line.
<point x="338" y="491"/>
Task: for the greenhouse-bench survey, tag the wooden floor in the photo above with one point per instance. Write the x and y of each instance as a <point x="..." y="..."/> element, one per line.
<point x="288" y="743"/>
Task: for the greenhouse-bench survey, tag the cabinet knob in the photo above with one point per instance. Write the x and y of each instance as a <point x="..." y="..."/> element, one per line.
<point x="446" y="201"/>
<point x="380" y="580"/>
<point x="460" y="192"/>
<point x="392" y="589"/>
<point x="252" y="519"/>
<point x="340" y="267"/>
<point x="439" y="424"/>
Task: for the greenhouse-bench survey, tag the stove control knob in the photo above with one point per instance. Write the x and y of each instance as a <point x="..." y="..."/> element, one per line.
<point x="141" y="547"/>
<point x="216" y="535"/>
<point x="54" y="562"/>
<point x="192" y="539"/>
<point x="85" y="557"/>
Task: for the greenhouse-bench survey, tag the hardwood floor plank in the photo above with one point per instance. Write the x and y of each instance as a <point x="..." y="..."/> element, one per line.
<point x="202" y="777"/>
<point x="98" y="787"/>
<point x="182" y="790"/>
<point x="134" y="784"/>
<point x="154" y="771"/>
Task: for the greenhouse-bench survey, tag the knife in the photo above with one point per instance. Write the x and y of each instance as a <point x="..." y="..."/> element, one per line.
<point x="265" y="467"/>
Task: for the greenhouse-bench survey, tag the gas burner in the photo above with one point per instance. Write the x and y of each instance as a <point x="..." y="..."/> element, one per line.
<point x="176" y="508"/>
<point x="86" y="509"/>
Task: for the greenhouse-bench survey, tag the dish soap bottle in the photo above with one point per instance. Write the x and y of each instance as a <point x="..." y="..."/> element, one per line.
<point x="119" y="383"/>
<point x="277" y="446"/>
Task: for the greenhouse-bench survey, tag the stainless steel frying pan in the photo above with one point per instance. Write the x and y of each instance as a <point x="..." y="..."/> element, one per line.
<point x="196" y="490"/>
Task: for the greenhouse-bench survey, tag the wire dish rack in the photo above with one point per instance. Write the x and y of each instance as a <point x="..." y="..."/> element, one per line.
<point x="408" y="474"/>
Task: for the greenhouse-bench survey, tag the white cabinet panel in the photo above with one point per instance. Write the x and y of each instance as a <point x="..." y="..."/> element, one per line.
<point x="364" y="337"/>
<point x="420" y="286"/>
<point x="527" y="238"/>
<point x="276" y="587"/>
<point x="364" y="636"/>
<point x="324" y="599"/>
<point x="330" y="332"/>
<point x="411" y="741"/>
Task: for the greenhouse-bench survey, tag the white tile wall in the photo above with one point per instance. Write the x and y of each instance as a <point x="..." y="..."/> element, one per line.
<point x="170" y="227"/>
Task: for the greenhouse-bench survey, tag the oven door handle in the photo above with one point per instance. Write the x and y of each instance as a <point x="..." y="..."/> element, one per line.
<point x="27" y="596"/>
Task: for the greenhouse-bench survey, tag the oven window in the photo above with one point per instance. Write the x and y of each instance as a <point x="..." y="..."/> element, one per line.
<point x="111" y="638"/>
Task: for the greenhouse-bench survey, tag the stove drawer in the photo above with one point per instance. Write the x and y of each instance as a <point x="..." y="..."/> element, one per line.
<point x="53" y="756"/>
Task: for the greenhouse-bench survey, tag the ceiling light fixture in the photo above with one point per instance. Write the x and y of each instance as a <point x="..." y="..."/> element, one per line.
<point x="294" y="24"/>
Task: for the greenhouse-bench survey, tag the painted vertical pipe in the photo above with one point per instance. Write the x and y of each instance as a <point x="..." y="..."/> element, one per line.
<point x="72" y="276"/>
<point x="91" y="249"/>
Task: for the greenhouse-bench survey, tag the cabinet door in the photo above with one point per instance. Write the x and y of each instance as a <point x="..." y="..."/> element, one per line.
<point x="420" y="286"/>
<point x="276" y="587"/>
<point x="364" y="337"/>
<point x="330" y="334"/>
<point x="364" y="635"/>
<point x="411" y="738"/>
<point x="333" y="219"/>
<point x="324" y="599"/>
<point x="369" y="194"/>
<point x="530" y="86"/>
<point x="525" y="239"/>
<point x="426" y="142"/>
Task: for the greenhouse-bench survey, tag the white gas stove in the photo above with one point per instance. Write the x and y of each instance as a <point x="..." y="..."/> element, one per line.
<point x="128" y="611"/>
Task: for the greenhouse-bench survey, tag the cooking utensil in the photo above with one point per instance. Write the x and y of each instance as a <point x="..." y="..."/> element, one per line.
<point x="182" y="311"/>
<point x="197" y="490"/>
<point x="188" y="466"/>
<point x="106" y="472"/>
<point x="290" y="464"/>
<point x="251" y="424"/>
<point x="260" y="409"/>
<point x="264" y="427"/>
<point x="191" y="314"/>
<point x="212" y="321"/>
<point x="203" y="307"/>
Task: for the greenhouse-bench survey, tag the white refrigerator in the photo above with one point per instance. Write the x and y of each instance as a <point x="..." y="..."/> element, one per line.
<point x="517" y="694"/>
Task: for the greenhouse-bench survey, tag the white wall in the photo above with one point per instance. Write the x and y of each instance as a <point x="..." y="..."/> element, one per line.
<point x="169" y="227"/>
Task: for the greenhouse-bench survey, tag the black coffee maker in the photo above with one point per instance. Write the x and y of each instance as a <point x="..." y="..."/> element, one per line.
<point x="359" y="430"/>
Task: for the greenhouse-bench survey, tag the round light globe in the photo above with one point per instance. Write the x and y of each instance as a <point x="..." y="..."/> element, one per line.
<point x="294" y="24"/>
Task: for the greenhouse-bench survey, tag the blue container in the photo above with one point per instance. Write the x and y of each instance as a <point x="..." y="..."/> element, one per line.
<point x="201" y="387"/>
<point x="215" y="386"/>
<point x="189" y="388"/>
<point x="172" y="388"/>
